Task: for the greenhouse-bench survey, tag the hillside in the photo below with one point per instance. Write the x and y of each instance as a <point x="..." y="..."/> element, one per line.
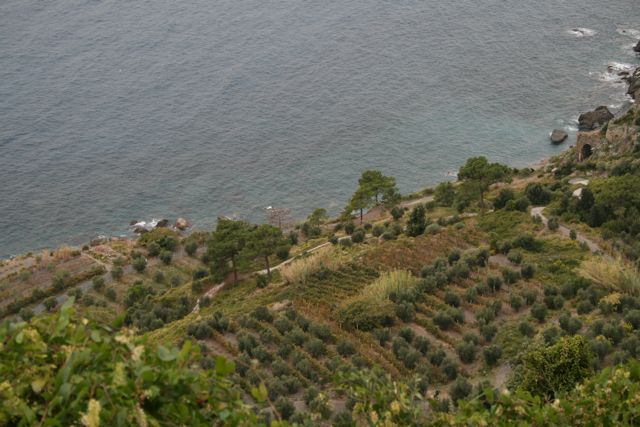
<point x="426" y="309"/>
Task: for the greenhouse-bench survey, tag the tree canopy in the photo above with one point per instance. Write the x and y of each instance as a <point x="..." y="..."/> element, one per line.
<point x="373" y="188"/>
<point x="479" y="174"/>
<point x="227" y="243"/>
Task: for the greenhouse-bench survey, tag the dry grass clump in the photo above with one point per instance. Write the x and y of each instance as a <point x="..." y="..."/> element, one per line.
<point x="392" y="282"/>
<point x="299" y="271"/>
<point x="612" y="274"/>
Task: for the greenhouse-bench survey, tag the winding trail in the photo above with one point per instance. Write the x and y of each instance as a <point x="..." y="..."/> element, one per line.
<point x="593" y="246"/>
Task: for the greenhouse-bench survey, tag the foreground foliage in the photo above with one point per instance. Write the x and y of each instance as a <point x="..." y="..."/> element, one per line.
<point x="57" y="371"/>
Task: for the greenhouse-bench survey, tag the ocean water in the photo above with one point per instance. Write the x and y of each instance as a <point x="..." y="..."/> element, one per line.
<point x="112" y="111"/>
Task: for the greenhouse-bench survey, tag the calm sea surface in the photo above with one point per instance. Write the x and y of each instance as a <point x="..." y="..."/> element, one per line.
<point x="132" y="109"/>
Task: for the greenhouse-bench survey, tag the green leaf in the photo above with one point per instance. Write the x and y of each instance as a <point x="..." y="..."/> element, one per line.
<point x="224" y="367"/>
<point x="38" y="384"/>
<point x="259" y="393"/>
<point x="165" y="355"/>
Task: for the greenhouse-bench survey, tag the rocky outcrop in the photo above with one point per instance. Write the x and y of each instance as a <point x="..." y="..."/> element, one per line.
<point x="558" y="136"/>
<point x="162" y="223"/>
<point x="636" y="48"/>
<point x="182" y="224"/>
<point x="634" y="84"/>
<point x="99" y="240"/>
<point x="594" y="119"/>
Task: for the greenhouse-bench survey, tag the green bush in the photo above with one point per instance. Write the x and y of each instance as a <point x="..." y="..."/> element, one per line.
<point x="460" y="389"/>
<point x="547" y="371"/>
<point x="345" y="348"/>
<point x="491" y="355"/>
<point x="153" y="249"/>
<point x="116" y="273"/>
<point x="139" y="264"/>
<point x="466" y="351"/>
<point x="450" y="369"/>
<point x="377" y="230"/>
<point x="191" y="247"/>
<point x="526" y="329"/>
<point x="112" y="369"/>
<point x="539" y="312"/>
<point x="98" y="283"/>
<point x="358" y="236"/>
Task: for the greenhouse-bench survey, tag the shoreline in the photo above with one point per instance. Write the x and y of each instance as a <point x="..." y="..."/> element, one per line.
<point x="628" y="103"/>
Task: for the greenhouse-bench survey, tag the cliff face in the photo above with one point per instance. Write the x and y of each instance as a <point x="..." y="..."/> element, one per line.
<point x="600" y="127"/>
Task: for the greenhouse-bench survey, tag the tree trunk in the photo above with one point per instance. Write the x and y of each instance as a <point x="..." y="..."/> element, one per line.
<point x="266" y="260"/>
<point x="361" y="216"/>
<point x="235" y="271"/>
<point x="481" y="201"/>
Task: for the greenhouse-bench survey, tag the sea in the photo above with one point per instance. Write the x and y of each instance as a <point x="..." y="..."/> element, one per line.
<point x="120" y="110"/>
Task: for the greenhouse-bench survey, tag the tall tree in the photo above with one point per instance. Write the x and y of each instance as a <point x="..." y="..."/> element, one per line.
<point x="480" y="174"/>
<point x="317" y="216"/>
<point x="263" y="242"/>
<point x="378" y="186"/>
<point x="373" y="188"/>
<point x="417" y="221"/>
<point x="227" y="242"/>
<point x="360" y="200"/>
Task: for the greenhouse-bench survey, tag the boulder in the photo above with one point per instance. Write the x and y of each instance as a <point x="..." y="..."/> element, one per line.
<point x="139" y="228"/>
<point x="162" y="223"/>
<point x="97" y="241"/>
<point x="558" y="136"/>
<point x="594" y="119"/>
<point x="636" y="48"/>
<point x="182" y="224"/>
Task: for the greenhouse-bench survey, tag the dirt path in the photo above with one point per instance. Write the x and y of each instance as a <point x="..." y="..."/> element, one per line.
<point x="593" y="246"/>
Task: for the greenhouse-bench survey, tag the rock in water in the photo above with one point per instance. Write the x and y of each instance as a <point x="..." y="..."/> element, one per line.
<point x="162" y="223"/>
<point x="558" y="136"/>
<point x="594" y="119"/>
<point x="636" y="48"/>
<point x="182" y="224"/>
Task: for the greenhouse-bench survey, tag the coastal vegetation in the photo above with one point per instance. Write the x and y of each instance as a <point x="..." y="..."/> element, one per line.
<point x="506" y="298"/>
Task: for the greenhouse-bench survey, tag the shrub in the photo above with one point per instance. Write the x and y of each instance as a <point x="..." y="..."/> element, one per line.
<point x="26" y="314"/>
<point x="569" y="324"/>
<point x="410" y="358"/>
<point x="98" y="283"/>
<point x="405" y="311"/>
<point x="537" y="194"/>
<point x="633" y="318"/>
<point x="300" y="270"/>
<point x="492" y="354"/>
<point x="510" y="276"/>
<point x="443" y="320"/>
<point x="584" y="307"/>
<point x="471" y="294"/>
<point x="549" y="370"/>
<point x="382" y="335"/>
<point x="262" y="314"/>
<point x="377" y="230"/>
<point x="358" y="236"/>
<point x="397" y="212"/>
<point x="436" y="356"/>
<point x="282" y="253"/>
<point x="416" y="222"/>
<point x="530" y="296"/>
<point x="539" y="312"/>
<point x="452" y="299"/>
<point x="422" y="344"/>
<point x="50" y="303"/>
<point x="117" y="273"/>
<point x="321" y="331"/>
<point x="285" y="407"/>
<point x="153" y="249"/>
<point x="526" y="329"/>
<point x="504" y="196"/>
<point x="460" y="389"/>
<point x="488" y="331"/>
<point x="553" y="223"/>
<point x="139" y="264"/>
<point x="315" y="347"/>
<point x="262" y="280"/>
<point x="450" y="369"/>
<point x="200" y="273"/>
<point x="516" y="302"/>
<point x="349" y="227"/>
<point x="514" y="256"/>
<point x="527" y="271"/>
<point x="110" y="294"/>
<point x="191" y="247"/>
<point x="572" y="234"/>
<point x="345" y="348"/>
<point x="494" y="283"/>
<point x="466" y="351"/>
<point x="551" y="335"/>
<point x="432" y="229"/>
